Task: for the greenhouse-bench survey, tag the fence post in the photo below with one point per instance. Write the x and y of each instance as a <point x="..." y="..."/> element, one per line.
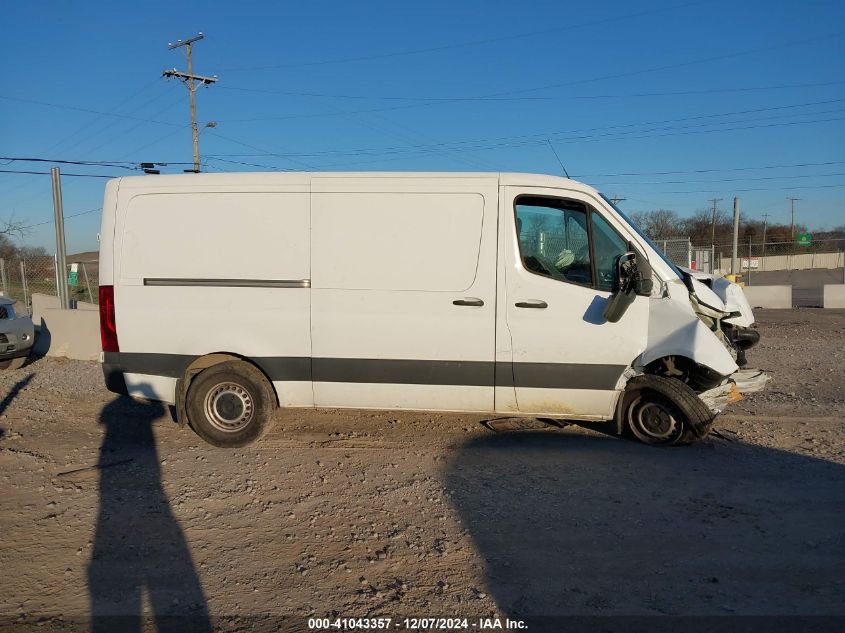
<point x="3" y="277"/>
<point x="749" y="260"/>
<point x="689" y="253"/>
<point x="23" y="283"/>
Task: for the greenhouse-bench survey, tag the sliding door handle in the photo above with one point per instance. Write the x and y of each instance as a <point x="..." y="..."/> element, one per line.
<point x="532" y="304"/>
<point x="468" y="301"/>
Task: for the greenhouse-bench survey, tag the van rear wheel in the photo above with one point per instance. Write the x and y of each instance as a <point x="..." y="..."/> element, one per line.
<point x="664" y="411"/>
<point x="230" y="404"/>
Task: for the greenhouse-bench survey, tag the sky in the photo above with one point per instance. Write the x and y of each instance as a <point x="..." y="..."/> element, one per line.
<point x="665" y="103"/>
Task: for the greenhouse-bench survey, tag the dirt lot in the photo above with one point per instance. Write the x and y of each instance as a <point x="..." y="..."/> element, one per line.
<point x="419" y="514"/>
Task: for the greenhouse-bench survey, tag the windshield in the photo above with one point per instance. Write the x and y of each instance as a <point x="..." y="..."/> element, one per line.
<point x="639" y="232"/>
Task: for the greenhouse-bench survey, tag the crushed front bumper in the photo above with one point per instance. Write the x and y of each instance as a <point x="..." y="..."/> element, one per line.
<point x="740" y="382"/>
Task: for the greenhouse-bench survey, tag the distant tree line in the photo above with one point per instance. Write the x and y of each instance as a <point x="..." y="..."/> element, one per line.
<point x="663" y="224"/>
<point x="8" y="249"/>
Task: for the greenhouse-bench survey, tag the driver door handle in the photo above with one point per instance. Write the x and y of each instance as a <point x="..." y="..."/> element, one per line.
<point x="532" y="304"/>
<point x="468" y="301"/>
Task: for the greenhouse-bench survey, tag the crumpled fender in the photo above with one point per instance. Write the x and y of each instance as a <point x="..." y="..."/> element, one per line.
<point x="675" y="330"/>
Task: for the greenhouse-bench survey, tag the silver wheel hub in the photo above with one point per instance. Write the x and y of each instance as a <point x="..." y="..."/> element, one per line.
<point x="228" y="407"/>
<point x="651" y="421"/>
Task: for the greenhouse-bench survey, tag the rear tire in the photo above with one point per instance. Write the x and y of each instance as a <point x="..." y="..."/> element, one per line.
<point x="230" y="405"/>
<point x="664" y="411"/>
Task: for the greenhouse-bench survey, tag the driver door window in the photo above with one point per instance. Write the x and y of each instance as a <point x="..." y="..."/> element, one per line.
<point x="608" y="245"/>
<point x="554" y="239"/>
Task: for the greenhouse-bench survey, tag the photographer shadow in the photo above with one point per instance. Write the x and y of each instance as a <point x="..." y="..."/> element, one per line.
<point x="139" y="548"/>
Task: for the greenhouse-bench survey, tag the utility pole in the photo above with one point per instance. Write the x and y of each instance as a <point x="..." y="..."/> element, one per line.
<point x="735" y="252"/>
<point x="616" y="200"/>
<point x="191" y="81"/>
<point x="713" y="227"/>
<point x="61" y="256"/>
<point x="792" y="229"/>
<point x="765" y="224"/>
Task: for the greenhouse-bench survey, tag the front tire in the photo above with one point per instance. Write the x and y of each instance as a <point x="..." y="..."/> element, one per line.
<point x="664" y="411"/>
<point x="230" y="405"/>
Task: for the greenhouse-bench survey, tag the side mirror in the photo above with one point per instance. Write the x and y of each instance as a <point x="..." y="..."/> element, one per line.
<point x="632" y="278"/>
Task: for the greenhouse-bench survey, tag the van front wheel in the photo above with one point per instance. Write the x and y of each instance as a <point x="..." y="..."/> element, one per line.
<point x="665" y="411"/>
<point x="230" y="404"/>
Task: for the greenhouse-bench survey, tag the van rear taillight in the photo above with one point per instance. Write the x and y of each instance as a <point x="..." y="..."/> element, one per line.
<point x="108" y="327"/>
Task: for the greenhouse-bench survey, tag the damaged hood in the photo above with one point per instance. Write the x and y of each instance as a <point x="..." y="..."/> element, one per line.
<point x="718" y="293"/>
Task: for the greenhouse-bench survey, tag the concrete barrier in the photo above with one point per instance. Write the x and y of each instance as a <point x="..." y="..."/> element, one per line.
<point x="69" y="334"/>
<point x="834" y="296"/>
<point x="769" y="296"/>
<point x="41" y="302"/>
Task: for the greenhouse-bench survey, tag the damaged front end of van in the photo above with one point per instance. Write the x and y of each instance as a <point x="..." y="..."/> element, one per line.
<point x="694" y="364"/>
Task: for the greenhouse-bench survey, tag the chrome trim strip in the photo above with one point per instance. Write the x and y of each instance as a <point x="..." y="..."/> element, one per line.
<point x="230" y="283"/>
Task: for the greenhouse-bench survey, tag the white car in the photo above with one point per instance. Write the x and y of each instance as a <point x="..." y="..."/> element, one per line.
<point x="17" y="334"/>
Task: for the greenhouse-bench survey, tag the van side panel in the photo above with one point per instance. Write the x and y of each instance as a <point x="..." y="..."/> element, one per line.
<point x="214" y="271"/>
<point x="390" y="257"/>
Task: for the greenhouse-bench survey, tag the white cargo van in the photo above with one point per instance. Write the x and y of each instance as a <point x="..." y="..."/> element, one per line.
<point x="229" y="295"/>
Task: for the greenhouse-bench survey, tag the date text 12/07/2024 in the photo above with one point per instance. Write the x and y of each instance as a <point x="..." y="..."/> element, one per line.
<point x="416" y="624"/>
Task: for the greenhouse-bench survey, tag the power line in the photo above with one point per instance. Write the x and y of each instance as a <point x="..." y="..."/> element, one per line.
<point x="576" y="82"/>
<point x="113" y="137"/>
<point x="693" y="62"/>
<point x="404" y="154"/>
<point x="92" y="163"/>
<point x="244" y="144"/>
<point x="713" y="169"/>
<point x="67" y="217"/>
<point x="159" y="140"/>
<point x="684" y="182"/>
<point x="705" y="91"/>
<point x="540" y="134"/>
<point x="87" y="110"/>
<point x="238" y="162"/>
<point x="370" y="97"/>
<point x="753" y="189"/>
<point x="321" y="95"/>
<point x="525" y="140"/>
<point x="103" y="127"/>
<point x="47" y="173"/>
<point x="469" y="43"/>
<point x="100" y="130"/>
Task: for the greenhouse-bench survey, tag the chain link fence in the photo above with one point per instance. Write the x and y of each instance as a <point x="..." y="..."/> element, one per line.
<point x="21" y="277"/>
<point x="771" y="256"/>
<point x="678" y="250"/>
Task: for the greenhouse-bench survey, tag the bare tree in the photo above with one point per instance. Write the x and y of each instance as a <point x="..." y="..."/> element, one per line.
<point x="13" y="227"/>
<point x="660" y="224"/>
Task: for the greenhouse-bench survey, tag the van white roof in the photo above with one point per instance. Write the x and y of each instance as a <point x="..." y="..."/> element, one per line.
<point x="303" y="177"/>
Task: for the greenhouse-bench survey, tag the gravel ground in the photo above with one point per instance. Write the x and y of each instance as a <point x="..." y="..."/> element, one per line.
<point x="111" y="508"/>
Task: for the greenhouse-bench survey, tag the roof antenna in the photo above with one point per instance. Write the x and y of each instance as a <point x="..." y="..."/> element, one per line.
<point x="558" y="157"/>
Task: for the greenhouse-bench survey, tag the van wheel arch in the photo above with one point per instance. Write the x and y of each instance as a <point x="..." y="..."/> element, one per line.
<point x="695" y="375"/>
<point x="204" y="362"/>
